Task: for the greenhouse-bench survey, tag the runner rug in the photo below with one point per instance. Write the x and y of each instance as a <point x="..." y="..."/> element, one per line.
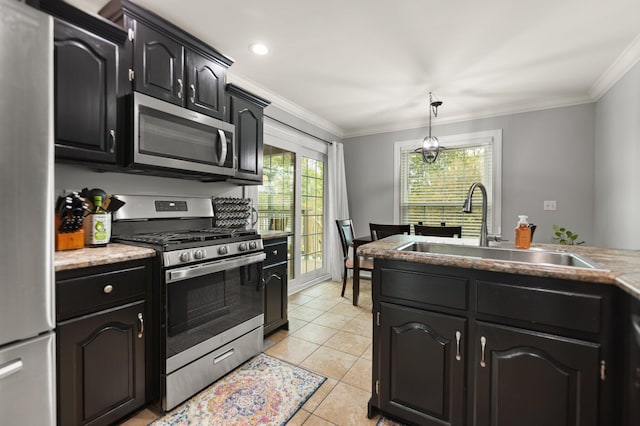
<point x="263" y="391"/>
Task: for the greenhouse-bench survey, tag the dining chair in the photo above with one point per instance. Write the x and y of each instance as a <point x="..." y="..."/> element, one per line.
<point x="345" y="229"/>
<point x="438" y="231"/>
<point x="379" y="231"/>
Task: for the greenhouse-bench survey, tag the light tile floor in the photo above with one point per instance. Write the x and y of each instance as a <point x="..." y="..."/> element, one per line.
<point x="330" y="336"/>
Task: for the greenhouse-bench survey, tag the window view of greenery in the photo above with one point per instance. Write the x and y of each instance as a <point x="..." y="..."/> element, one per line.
<point x="434" y="193"/>
<point x="312" y="214"/>
<point x="276" y="195"/>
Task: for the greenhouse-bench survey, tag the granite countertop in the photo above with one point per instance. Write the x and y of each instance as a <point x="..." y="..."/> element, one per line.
<point x="90" y="256"/>
<point x="272" y="235"/>
<point x="614" y="266"/>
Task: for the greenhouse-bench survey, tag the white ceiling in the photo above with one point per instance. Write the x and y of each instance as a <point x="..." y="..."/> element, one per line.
<point x="357" y="67"/>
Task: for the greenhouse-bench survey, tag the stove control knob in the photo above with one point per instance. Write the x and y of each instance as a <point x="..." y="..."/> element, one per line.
<point x="199" y="254"/>
<point x="253" y="245"/>
<point x="223" y="250"/>
<point x="243" y="247"/>
<point x="185" y="256"/>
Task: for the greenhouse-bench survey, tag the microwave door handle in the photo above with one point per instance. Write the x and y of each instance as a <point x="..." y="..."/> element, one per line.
<point x="223" y="150"/>
<point x="210" y="268"/>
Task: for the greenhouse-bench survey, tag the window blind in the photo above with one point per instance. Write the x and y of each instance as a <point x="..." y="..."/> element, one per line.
<point x="434" y="193"/>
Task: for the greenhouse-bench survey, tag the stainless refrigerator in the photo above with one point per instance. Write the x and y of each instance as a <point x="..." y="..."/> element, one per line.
<point x="27" y="320"/>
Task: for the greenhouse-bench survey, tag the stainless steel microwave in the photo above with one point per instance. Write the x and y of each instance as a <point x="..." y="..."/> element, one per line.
<point x="168" y="137"/>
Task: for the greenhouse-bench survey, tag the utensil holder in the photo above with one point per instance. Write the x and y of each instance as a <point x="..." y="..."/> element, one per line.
<point x="68" y="240"/>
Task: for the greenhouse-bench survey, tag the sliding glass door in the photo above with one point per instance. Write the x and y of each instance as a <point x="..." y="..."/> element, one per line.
<point x="292" y="199"/>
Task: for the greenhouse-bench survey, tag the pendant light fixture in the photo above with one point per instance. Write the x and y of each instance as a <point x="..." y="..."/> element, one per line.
<point x="430" y="145"/>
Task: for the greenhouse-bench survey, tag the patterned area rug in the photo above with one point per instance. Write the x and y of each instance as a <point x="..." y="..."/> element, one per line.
<point x="263" y="391"/>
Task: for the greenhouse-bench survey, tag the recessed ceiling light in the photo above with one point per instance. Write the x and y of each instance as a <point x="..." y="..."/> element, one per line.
<point x="258" y="48"/>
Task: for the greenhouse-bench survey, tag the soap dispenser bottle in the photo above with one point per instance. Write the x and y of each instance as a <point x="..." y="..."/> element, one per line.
<point x="523" y="233"/>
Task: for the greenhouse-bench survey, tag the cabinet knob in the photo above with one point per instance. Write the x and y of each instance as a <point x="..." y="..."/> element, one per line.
<point x="275" y="252"/>
<point x="107" y="289"/>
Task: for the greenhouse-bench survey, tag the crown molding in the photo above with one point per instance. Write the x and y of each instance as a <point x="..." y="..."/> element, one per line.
<point x="623" y="63"/>
<point x="418" y="124"/>
<point x="284" y="104"/>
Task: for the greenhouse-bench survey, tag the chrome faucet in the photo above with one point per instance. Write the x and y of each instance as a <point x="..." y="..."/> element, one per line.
<point x="467" y="208"/>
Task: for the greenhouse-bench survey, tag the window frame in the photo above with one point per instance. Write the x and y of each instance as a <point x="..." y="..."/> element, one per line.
<point x="494" y="137"/>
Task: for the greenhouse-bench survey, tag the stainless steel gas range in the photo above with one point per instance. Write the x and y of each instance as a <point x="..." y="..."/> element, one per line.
<point x="208" y="294"/>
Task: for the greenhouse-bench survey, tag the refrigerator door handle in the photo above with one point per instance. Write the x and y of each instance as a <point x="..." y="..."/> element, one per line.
<point x="10" y="368"/>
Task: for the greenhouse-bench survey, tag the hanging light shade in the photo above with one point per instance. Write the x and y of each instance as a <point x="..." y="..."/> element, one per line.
<point x="430" y="144"/>
<point x="430" y="149"/>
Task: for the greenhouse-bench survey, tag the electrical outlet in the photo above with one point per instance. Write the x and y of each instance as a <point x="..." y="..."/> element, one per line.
<point x="550" y="205"/>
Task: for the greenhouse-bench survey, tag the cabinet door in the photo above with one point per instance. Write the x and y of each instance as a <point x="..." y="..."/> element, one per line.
<point x="248" y="121"/>
<point x="275" y="297"/>
<point x="205" y="79"/>
<point x="158" y="62"/>
<point x="422" y="359"/>
<point x="101" y="369"/>
<point x="85" y="74"/>
<point x="526" y="378"/>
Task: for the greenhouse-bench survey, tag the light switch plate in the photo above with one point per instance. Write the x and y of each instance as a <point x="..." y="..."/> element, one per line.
<point x="550" y="205"/>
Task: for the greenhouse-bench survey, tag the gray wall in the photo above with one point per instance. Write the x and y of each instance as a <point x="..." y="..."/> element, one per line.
<point x="547" y="155"/>
<point x="617" y="197"/>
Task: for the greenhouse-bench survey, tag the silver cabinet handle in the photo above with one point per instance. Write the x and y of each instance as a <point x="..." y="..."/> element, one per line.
<point x="223" y="356"/>
<point x="180" y="88"/>
<point x="141" y="325"/>
<point x="107" y="289"/>
<point x="10" y="368"/>
<point x="483" y="343"/>
<point x="112" y="140"/>
<point x="223" y="147"/>
<point x="458" y="336"/>
<point x="193" y="93"/>
<point x="275" y="252"/>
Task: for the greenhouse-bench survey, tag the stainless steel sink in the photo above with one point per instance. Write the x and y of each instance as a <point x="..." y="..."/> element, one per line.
<point x="533" y="256"/>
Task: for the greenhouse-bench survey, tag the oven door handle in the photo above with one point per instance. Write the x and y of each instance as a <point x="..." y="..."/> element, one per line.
<point x="210" y="268"/>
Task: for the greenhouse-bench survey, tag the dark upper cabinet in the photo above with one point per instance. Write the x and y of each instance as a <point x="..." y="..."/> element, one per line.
<point x="422" y="368"/>
<point x="158" y="64"/>
<point x="169" y="63"/>
<point x="246" y="113"/>
<point x="85" y="84"/>
<point x="205" y="85"/>
<point x="528" y="378"/>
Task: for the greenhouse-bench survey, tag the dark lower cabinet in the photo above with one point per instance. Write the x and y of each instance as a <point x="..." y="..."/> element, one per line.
<point x="101" y="366"/>
<point x="103" y="342"/>
<point x="421" y="377"/>
<point x="632" y="367"/>
<point x="492" y="349"/>
<point x="85" y="83"/>
<point x="275" y="278"/>
<point x="528" y="378"/>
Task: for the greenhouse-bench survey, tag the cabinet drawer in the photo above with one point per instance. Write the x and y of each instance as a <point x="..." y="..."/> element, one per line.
<point x="276" y="253"/>
<point x="90" y="293"/>
<point x="432" y="289"/>
<point x="575" y="311"/>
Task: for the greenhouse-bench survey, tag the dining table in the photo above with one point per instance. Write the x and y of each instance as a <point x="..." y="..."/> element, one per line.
<point x="357" y="242"/>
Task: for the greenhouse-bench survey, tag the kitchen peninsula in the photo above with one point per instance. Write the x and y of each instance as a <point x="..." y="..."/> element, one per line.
<point x="471" y="340"/>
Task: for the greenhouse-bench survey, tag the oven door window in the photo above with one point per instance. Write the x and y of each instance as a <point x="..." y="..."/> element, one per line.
<point x="165" y="135"/>
<point x="202" y="307"/>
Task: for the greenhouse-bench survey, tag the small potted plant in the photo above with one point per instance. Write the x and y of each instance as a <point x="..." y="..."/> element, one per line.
<point x="564" y="236"/>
